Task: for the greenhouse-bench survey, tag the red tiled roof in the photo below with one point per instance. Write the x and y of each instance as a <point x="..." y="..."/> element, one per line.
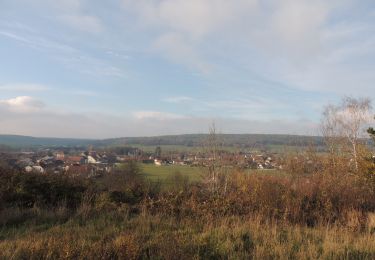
<point x="74" y="159"/>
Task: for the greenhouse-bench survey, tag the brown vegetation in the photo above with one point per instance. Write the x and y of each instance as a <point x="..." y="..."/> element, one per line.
<point x="315" y="215"/>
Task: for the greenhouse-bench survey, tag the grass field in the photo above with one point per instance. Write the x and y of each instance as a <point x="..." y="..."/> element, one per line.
<point x="165" y="172"/>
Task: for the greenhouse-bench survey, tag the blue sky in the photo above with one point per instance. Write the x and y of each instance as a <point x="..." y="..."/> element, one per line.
<point x="79" y="68"/>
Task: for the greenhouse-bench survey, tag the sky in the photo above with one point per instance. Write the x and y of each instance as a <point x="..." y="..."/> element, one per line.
<point x="101" y="69"/>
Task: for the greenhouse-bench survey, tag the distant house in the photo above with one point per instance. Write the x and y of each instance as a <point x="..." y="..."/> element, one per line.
<point x="73" y="160"/>
<point x="59" y="156"/>
<point x="37" y="169"/>
<point x="90" y="160"/>
<point x="158" y="162"/>
<point x="25" y="162"/>
<point x="179" y="162"/>
<point x="93" y="154"/>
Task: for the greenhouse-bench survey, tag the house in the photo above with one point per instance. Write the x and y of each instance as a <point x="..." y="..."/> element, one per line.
<point x="37" y="169"/>
<point x="21" y="164"/>
<point x="89" y="160"/>
<point x="178" y="162"/>
<point x="158" y="162"/>
<point x="73" y="160"/>
<point x="59" y="156"/>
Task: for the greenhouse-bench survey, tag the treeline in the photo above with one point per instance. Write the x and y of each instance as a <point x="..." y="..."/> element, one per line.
<point x="19" y="141"/>
<point x="190" y="140"/>
<point x="199" y="140"/>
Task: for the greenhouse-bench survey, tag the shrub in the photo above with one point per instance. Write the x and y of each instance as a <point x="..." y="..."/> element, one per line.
<point x="18" y="189"/>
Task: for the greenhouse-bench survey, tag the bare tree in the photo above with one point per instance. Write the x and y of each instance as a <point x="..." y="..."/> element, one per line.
<point x="332" y="132"/>
<point x="344" y="124"/>
<point x="213" y="144"/>
<point x="212" y="151"/>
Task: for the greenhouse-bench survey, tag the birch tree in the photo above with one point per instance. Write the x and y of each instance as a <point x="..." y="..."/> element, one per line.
<point x="344" y="125"/>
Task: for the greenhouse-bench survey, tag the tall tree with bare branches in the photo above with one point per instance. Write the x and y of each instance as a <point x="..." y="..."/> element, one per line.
<point x="343" y="125"/>
<point x="212" y="151"/>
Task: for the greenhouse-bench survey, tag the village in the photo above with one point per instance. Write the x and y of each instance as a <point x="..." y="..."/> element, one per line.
<point x="91" y="163"/>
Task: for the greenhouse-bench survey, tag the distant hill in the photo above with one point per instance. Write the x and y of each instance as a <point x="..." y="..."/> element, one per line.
<point x="238" y="140"/>
<point x="191" y="140"/>
<point x="28" y="141"/>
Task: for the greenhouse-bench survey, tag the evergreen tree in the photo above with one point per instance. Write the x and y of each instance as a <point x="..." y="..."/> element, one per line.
<point x="371" y="132"/>
<point x="158" y="152"/>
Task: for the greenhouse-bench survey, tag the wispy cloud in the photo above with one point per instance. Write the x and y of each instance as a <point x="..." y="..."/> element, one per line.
<point x="296" y="26"/>
<point x="156" y="115"/>
<point x="69" y="56"/>
<point x="86" y="93"/>
<point x="72" y="13"/>
<point x="254" y="107"/>
<point x="308" y="45"/>
<point x="39" y="43"/>
<point x="87" y="23"/>
<point x="30" y="116"/>
<point x="177" y="48"/>
<point x="24" y="87"/>
<point x="178" y="99"/>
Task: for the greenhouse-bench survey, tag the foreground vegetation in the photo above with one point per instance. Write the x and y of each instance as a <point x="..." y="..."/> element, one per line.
<point x="120" y="234"/>
<point x="241" y="216"/>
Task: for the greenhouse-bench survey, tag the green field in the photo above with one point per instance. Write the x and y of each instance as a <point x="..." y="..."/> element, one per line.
<point x="165" y="172"/>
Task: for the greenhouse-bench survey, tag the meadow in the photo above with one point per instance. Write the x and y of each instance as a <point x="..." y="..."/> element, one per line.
<point x="164" y="173"/>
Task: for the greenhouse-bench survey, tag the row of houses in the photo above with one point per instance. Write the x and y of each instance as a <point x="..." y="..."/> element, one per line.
<point x="93" y="163"/>
<point x="253" y="161"/>
<point x="89" y="163"/>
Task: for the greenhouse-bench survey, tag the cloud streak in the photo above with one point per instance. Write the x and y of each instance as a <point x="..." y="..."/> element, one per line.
<point x="30" y="116"/>
<point x="86" y="23"/>
<point x="24" y="87"/>
<point x="156" y="115"/>
<point x="69" y="56"/>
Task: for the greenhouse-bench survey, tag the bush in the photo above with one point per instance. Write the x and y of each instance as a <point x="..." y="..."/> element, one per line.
<point x="23" y="190"/>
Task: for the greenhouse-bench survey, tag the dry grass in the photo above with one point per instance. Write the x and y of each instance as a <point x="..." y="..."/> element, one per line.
<point x="115" y="236"/>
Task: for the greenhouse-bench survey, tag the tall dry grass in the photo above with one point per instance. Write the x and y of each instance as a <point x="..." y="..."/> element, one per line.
<point x="117" y="235"/>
